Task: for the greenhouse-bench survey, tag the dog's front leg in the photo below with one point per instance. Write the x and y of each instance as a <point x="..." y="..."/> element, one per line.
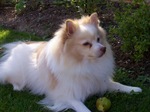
<point x="78" y="106"/>
<point x="117" y="87"/>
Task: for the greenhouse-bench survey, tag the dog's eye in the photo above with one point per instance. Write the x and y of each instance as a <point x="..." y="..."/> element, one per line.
<point x="87" y="44"/>
<point x="98" y="39"/>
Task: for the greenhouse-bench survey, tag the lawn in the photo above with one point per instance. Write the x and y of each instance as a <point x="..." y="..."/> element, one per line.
<point x="14" y="101"/>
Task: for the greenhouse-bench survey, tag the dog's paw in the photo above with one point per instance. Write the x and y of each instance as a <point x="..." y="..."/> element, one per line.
<point x="136" y="89"/>
<point x="17" y="87"/>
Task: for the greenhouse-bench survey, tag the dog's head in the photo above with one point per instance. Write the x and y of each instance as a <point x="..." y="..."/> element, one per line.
<point x="84" y="38"/>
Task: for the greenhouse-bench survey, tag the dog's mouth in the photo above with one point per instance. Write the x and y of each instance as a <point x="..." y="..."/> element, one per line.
<point x="102" y="52"/>
<point x="99" y="53"/>
<point x="97" y="56"/>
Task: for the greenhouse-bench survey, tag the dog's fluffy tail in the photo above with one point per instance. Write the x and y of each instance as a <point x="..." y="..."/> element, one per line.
<point x="4" y="66"/>
<point x="12" y="64"/>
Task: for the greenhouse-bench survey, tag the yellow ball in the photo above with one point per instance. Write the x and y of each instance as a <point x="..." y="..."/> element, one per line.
<point x="103" y="104"/>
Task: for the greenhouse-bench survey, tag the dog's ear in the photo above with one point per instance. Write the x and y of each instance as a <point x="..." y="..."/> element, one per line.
<point x="94" y="18"/>
<point x="70" y="27"/>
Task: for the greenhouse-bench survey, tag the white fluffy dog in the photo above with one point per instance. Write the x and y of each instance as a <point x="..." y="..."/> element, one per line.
<point x="76" y="63"/>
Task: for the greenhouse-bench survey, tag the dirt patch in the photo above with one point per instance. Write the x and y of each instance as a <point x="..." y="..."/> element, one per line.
<point x="41" y="22"/>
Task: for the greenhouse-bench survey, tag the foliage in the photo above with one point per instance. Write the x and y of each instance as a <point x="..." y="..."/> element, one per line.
<point x="82" y="6"/>
<point x="133" y="23"/>
<point x="86" y="6"/>
<point x="21" y="5"/>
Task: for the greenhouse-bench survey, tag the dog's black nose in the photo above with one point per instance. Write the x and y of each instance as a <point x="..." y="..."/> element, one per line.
<point x="103" y="49"/>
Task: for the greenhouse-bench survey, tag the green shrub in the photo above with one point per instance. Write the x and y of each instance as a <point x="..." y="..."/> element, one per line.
<point x="133" y="27"/>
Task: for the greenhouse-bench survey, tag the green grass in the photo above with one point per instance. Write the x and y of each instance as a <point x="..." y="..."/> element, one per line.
<point x="7" y="35"/>
<point x="13" y="101"/>
<point x="121" y="102"/>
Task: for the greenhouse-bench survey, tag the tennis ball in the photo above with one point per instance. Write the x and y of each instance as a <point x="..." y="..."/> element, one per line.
<point x="103" y="104"/>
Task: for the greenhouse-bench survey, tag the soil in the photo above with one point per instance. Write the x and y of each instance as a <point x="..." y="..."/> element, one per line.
<point x="44" y="22"/>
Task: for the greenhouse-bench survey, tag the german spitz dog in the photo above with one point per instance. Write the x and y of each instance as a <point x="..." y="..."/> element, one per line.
<point x="76" y="63"/>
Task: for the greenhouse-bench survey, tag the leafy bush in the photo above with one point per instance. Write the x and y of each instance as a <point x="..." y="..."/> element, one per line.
<point x="133" y="27"/>
<point x="83" y="6"/>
